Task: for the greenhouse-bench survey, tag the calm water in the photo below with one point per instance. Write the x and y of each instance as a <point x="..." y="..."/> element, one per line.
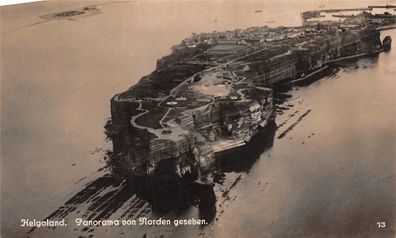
<point x="330" y="171"/>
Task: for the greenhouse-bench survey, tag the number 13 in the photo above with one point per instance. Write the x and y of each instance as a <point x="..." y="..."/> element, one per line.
<point x="381" y="224"/>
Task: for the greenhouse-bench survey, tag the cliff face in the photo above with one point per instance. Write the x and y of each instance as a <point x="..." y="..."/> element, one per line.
<point x="185" y="129"/>
<point x="209" y="98"/>
<point x="305" y="57"/>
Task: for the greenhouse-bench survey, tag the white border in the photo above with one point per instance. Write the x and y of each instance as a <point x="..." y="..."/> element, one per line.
<point x="12" y="2"/>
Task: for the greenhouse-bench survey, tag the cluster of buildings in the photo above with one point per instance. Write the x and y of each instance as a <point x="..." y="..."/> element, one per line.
<point x="254" y="35"/>
<point x="246" y="37"/>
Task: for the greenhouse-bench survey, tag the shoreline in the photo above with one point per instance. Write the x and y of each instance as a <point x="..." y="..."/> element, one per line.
<point x="326" y="66"/>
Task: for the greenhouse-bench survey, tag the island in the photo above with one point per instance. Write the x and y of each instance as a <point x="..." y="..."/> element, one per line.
<point x="214" y="92"/>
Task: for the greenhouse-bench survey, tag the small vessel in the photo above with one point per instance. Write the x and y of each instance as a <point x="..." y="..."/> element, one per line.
<point x="387" y="43"/>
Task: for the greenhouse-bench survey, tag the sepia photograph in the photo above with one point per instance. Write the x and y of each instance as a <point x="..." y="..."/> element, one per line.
<point x="198" y="119"/>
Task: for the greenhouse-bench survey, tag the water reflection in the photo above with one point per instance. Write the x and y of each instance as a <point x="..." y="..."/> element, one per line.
<point x="109" y="195"/>
<point x="241" y="159"/>
<point x="104" y="196"/>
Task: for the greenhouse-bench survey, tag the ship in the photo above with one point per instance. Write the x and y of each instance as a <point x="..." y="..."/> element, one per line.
<point x="214" y="93"/>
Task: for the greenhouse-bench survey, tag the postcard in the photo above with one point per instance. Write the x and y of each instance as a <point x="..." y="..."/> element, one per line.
<point x="173" y="118"/>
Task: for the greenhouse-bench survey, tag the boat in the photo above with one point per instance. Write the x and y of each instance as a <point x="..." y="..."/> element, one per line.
<point x="387" y="43"/>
